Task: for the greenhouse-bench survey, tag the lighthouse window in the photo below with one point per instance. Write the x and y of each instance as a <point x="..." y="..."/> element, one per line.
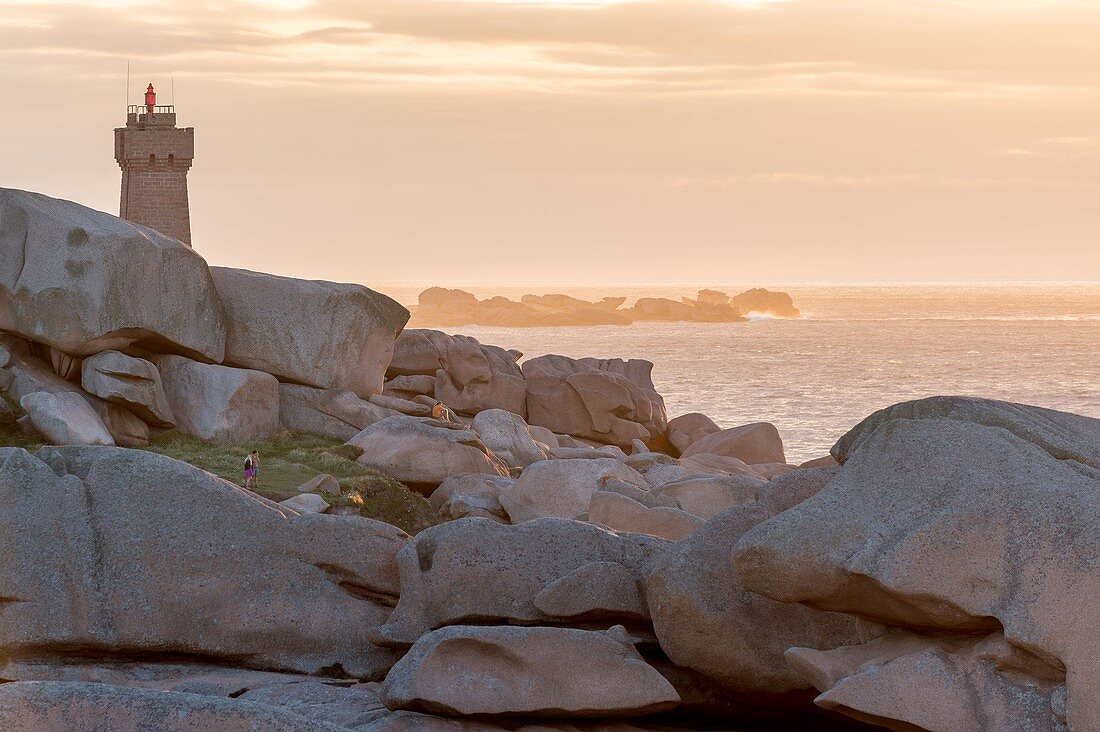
<point x="171" y="160"/>
<point x="152" y="159"/>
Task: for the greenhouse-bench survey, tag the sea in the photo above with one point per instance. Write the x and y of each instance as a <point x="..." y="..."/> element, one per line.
<point x="856" y="348"/>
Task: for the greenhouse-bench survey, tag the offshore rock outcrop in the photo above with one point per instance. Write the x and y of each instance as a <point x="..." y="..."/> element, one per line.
<point x="442" y="308"/>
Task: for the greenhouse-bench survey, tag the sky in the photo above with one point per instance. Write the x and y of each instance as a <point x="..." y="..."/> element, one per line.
<point x="551" y="141"/>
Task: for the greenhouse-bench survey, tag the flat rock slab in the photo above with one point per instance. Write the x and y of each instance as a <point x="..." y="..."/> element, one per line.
<point x="58" y="706"/>
<point x="1064" y="435"/>
<point x="553" y="672"/>
<point x="424" y="451"/>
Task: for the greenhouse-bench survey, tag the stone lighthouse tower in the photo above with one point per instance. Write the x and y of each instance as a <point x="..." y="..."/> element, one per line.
<point x="155" y="156"/>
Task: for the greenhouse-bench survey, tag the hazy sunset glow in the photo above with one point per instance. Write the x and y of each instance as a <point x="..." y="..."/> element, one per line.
<point x="542" y="141"/>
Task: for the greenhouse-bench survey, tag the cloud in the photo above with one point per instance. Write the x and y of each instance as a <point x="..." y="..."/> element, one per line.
<point x="645" y="46"/>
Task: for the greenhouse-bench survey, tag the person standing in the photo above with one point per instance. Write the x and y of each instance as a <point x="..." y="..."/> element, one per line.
<point x="255" y="468"/>
<point x="249" y="471"/>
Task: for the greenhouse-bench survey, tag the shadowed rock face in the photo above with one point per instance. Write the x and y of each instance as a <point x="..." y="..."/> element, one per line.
<point x="131" y="382"/>
<point x="958" y="526"/>
<point x="335" y="413"/>
<point x="936" y="683"/>
<point x="83" y="281"/>
<point x="707" y="622"/>
<point x="322" y="334"/>
<point x="478" y="570"/>
<point x="124" y="552"/>
<point x="30" y="374"/>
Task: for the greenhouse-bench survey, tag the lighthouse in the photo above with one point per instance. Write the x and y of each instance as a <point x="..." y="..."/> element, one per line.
<point x="155" y="156"/>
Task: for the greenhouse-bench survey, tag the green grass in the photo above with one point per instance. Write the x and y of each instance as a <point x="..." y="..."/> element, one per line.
<point x="12" y="436"/>
<point x="289" y="459"/>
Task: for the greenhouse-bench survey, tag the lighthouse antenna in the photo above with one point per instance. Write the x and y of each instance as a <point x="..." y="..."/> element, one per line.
<point x="127" y="85"/>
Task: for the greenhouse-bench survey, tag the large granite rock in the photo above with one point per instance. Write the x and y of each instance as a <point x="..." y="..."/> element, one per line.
<point x="765" y="302"/>
<point x="549" y="672"/>
<point x="906" y="681"/>
<point x="539" y="572"/>
<point x="336" y="413"/>
<point x="687" y="429"/>
<point x="219" y="403"/>
<point x="707" y="496"/>
<point x="65" y="419"/>
<point x="753" y="444"/>
<point x="623" y="513"/>
<point x="474" y="377"/>
<point x="477" y="494"/>
<point x="561" y="488"/>
<point x="418" y="352"/>
<point x="322" y="334"/>
<point x="506" y="434"/>
<point x="704" y="463"/>
<point x="958" y="527"/>
<point x="306" y="503"/>
<point x="132" y="382"/>
<point x="469" y="376"/>
<point x="423" y="451"/>
<point x="1064" y="435"/>
<point x="115" y="551"/>
<point x="83" y="281"/>
<point x="56" y="706"/>
<point x="409" y="386"/>
<point x="610" y="401"/>
<point x="708" y="623"/>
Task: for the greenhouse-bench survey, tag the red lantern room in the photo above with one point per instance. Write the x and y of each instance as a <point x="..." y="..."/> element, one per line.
<point x="150" y="99"/>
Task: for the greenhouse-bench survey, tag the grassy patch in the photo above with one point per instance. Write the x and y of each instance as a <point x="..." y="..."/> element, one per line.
<point x="12" y="436"/>
<point x="289" y="459"/>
